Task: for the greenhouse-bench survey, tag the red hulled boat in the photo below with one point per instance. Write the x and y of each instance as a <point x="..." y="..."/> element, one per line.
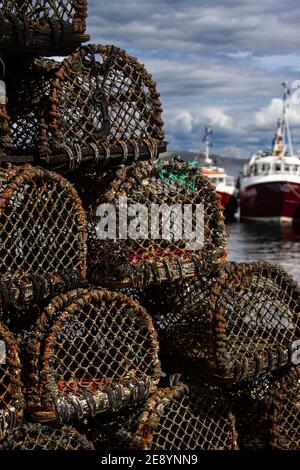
<point x="270" y="184"/>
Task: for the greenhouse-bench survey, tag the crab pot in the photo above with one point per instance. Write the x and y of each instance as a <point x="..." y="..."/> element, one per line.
<point x="11" y="397"/>
<point x="98" y="106"/>
<point x="92" y="351"/>
<point x="238" y="322"/>
<point x="168" y="226"/>
<point x="43" y="225"/>
<point x="37" y="436"/>
<point x="42" y="27"/>
<point x="183" y="418"/>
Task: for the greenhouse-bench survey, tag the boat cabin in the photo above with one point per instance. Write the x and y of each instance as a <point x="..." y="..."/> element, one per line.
<point x="272" y="165"/>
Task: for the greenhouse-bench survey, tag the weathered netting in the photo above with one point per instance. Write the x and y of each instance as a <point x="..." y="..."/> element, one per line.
<point x="24" y="296"/>
<point x="249" y="403"/>
<point x="267" y="411"/>
<point x="183" y="418"/>
<point x="91" y="351"/>
<point x="103" y="429"/>
<point x="98" y="106"/>
<point x="11" y="397"/>
<point x="168" y="255"/>
<point x="43" y="224"/>
<point x="239" y="321"/>
<point x="28" y="289"/>
<point x="44" y="27"/>
<point x="37" y="436"/>
<point x="285" y="411"/>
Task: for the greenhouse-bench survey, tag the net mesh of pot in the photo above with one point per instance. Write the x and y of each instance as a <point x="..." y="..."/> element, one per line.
<point x="285" y="416"/>
<point x="98" y="106"/>
<point x="267" y="410"/>
<point x="91" y="351"/>
<point x="42" y="27"/>
<point x="183" y="418"/>
<point x="155" y="222"/>
<point x="38" y="436"/>
<point x="43" y="224"/>
<point x="24" y="295"/>
<point x="11" y="396"/>
<point x="238" y="322"/>
<point x="250" y="405"/>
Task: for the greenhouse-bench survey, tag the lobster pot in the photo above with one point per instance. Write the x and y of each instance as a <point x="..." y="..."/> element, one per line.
<point x="42" y="223"/>
<point x="156" y="222"/>
<point x="92" y="351"/>
<point x="24" y="296"/>
<point x="183" y="418"/>
<point x="103" y="430"/>
<point x="250" y="405"/>
<point x="11" y="397"/>
<point x="99" y="106"/>
<point x="285" y="415"/>
<point x="37" y="436"/>
<point x="42" y="27"/>
<point x="238" y="322"/>
<point x="267" y="411"/>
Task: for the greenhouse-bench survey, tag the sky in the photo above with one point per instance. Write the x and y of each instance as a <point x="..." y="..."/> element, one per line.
<point x="219" y="63"/>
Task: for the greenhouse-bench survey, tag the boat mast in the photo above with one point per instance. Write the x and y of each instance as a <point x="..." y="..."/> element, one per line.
<point x="287" y="125"/>
<point x="283" y="129"/>
<point x="207" y="139"/>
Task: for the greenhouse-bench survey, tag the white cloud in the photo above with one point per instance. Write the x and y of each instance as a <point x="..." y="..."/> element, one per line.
<point x="267" y="116"/>
<point x="218" y="118"/>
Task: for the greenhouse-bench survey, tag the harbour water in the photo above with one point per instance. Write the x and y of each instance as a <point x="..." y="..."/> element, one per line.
<point x="273" y="243"/>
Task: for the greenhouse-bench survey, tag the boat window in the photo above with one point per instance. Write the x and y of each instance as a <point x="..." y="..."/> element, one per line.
<point x="277" y="167"/>
<point x="255" y="169"/>
<point x="265" y="167"/>
<point x="287" y="168"/>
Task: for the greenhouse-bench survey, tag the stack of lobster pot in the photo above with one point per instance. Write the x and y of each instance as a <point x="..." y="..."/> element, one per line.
<point x="159" y="254"/>
<point x="43" y="224"/>
<point x="227" y="332"/>
<point x="122" y="326"/>
<point x="69" y="351"/>
<point x="237" y="329"/>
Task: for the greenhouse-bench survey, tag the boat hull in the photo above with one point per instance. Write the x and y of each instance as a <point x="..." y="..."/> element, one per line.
<point x="229" y="204"/>
<point x="274" y="202"/>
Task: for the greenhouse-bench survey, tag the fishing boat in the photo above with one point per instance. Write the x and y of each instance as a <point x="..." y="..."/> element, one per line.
<point x="270" y="182"/>
<point x="224" y="184"/>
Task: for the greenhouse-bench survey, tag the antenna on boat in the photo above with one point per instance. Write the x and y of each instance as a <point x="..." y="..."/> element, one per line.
<point x="207" y="139"/>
